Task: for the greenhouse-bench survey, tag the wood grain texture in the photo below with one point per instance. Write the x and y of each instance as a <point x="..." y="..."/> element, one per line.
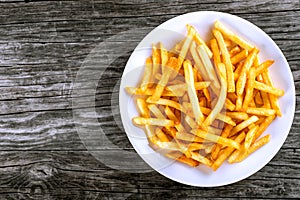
<point x="43" y="44"/>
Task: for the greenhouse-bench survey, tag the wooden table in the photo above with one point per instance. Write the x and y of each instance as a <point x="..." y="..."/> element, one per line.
<point x="44" y="44"/>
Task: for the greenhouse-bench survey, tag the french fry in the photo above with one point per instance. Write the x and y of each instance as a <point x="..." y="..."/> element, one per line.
<point x="243" y="125"/>
<point x="234" y="51"/>
<point x="241" y="82"/>
<point x="164" y="55"/>
<point x="189" y="77"/>
<point x="250" y="136"/>
<point x="156" y="60"/>
<point x="229" y="34"/>
<point x="234" y="154"/>
<point x="264" y="66"/>
<point x="249" y="89"/>
<point x="142" y="107"/>
<point x="238" y="115"/>
<point x="215" y="138"/>
<point x="208" y="67"/>
<point x="150" y="92"/>
<point x="183" y="87"/>
<point x="268" y="89"/>
<point x="221" y="100"/>
<point x="273" y="99"/>
<point x="256" y="61"/>
<point x="146" y="80"/>
<point x="182" y="55"/>
<point x="264" y="95"/>
<point x="261" y="111"/>
<point x="152" y="121"/>
<point x="239" y="102"/>
<point x="198" y="63"/>
<point x="167" y="102"/>
<point x="226" y="60"/>
<point x="167" y="146"/>
<point x="200" y="158"/>
<point x="239" y="57"/>
<point x="216" y="51"/>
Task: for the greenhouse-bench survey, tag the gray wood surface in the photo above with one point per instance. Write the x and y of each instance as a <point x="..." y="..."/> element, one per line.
<point x="43" y="44"/>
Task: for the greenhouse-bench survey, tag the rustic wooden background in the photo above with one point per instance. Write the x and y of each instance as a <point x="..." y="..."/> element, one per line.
<point x="42" y="46"/>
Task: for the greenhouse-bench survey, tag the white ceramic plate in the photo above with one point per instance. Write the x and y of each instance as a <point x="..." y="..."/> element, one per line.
<point x="171" y="32"/>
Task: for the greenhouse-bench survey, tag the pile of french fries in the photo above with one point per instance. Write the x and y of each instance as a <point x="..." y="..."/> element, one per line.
<point x="204" y="104"/>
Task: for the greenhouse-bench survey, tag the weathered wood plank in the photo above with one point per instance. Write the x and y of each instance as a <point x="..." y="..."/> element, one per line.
<point x="48" y="25"/>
